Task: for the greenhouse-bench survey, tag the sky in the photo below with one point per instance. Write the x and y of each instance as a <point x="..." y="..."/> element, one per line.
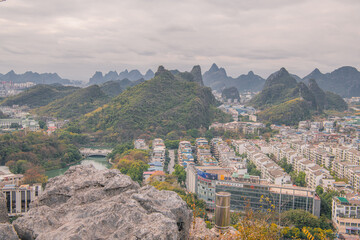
<point x="75" y="38"/>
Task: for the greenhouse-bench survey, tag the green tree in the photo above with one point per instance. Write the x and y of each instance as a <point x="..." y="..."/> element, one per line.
<point x="298" y="178"/>
<point x="120" y="149"/>
<point x="180" y="173"/>
<point x="42" y="124"/>
<point x="15" y="125"/>
<point x="172" y="144"/>
<point x="326" y="200"/>
<point x="136" y="171"/>
<point x="251" y="168"/>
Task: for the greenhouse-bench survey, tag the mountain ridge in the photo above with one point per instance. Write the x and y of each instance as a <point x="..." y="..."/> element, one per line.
<point x="38" y="78"/>
<point x="158" y="106"/>
<point x="133" y="75"/>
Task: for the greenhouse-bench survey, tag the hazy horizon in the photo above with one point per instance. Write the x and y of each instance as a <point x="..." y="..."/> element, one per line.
<point x="77" y="38"/>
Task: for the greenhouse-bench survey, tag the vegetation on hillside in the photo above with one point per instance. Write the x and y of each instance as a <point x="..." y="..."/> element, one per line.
<point x="155" y="107"/>
<point x="132" y="162"/>
<point x="284" y="101"/>
<point x="289" y="113"/>
<point x="76" y="104"/>
<point x="335" y="102"/>
<point x="39" y="95"/>
<point x="33" y="153"/>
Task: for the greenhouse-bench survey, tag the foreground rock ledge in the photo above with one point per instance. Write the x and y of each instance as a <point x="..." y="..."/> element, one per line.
<point x="86" y="203"/>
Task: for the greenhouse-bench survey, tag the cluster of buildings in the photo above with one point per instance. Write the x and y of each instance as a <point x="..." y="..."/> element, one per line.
<point x="9" y="88"/>
<point x="140" y="144"/>
<point x="256" y="152"/>
<point x="18" y="117"/>
<point x="158" y="154"/>
<point x="230" y="175"/>
<point x="185" y="154"/>
<point x="239" y="127"/>
<point x="236" y="111"/>
<point x="203" y="153"/>
<point x="18" y="196"/>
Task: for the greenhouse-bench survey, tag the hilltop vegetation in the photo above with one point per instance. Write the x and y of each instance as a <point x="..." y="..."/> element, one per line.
<point x="284" y="101"/>
<point x="39" y="95"/>
<point x="290" y="112"/>
<point x="76" y="104"/>
<point x="22" y="151"/>
<point x="155" y="107"/>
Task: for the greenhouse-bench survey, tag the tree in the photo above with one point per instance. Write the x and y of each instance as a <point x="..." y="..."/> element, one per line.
<point x="42" y="124"/>
<point x="120" y="149"/>
<point x="172" y="144"/>
<point x="298" y="178"/>
<point x="35" y="175"/>
<point x="180" y="173"/>
<point x="299" y="218"/>
<point x="326" y="200"/>
<point x="251" y="168"/>
<point x="15" y="125"/>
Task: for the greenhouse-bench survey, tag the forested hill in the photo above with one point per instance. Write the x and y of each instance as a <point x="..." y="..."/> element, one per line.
<point x="76" y="104"/>
<point x="156" y="107"/>
<point x="283" y="96"/>
<point x="39" y="95"/>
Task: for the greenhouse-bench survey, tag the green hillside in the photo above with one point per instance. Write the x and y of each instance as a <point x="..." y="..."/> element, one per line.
<point x="335" y="102"/>
<point x="39" y="95"/>
<point x="289" y="113"/>
<point x="157" y="106"/>
<point x="111" y="88"/>
<point x="277" y="99"/>
<point x="76" y="104"/>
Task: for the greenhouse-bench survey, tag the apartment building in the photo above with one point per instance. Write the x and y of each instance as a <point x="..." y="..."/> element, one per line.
<point x="18" y="198"/>
<point x="346" y="215"/>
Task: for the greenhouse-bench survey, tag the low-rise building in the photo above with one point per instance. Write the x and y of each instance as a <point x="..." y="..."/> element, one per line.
<point x="346" y="215"/>
<point x="18" y="198"/>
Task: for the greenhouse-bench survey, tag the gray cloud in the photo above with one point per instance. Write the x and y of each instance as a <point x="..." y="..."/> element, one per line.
<point x="77" y="37"/>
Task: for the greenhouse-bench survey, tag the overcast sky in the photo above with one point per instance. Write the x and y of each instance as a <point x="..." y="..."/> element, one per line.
<point x="75" y="38"/>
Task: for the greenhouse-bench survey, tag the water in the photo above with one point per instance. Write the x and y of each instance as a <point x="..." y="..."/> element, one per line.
<point x="98" y="162"/>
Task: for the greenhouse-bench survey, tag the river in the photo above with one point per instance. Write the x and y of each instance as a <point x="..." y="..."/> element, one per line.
<point x="98" y="162"/>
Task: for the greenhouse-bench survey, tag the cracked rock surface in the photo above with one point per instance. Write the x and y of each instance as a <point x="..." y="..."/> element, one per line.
<point x="86" y="203"/>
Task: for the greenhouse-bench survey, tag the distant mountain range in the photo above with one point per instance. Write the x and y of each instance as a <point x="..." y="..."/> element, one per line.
<point x="133" y="75"/>
<point x="217" y="79"/>
<point x="344" y="81"/>
<point x="38" y="78"/>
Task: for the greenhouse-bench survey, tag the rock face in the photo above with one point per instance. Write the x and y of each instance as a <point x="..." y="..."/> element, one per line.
<point x="7" y="232"/>
<point x="86" y="203"/>
<point x="4" y="218"/>
<point x="217" y="79"/>
<point x="230" y="93"/>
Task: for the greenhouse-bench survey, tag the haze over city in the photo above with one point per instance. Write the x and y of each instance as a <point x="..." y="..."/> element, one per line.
<point x="77" y="38"/>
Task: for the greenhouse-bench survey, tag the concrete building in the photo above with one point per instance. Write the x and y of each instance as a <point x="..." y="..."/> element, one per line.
<point x="18" y="198"/>
<point x="346" y="216"/>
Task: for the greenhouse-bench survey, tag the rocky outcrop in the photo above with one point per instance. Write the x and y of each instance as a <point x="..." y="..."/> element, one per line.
<point x="7" y="232"/>
<point x="86" y="203"/>
<point x="230" y="93"/>
<point x="217" y="79"/>
<point x="196" y="72"/>
<point x="4" y="218"/>
<point x="199" y="231"/>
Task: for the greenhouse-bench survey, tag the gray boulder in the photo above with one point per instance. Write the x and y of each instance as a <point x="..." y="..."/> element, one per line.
<point x="86" y="203"/>
<point x="7" y="232"/>
<point x="4" y="218"/>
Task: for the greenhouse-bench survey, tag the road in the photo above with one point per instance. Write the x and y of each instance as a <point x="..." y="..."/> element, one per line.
<point x="172" y="161"/>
